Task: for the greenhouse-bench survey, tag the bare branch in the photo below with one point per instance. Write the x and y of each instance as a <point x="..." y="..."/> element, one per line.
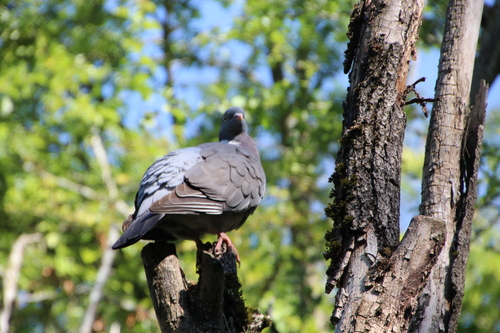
<point x="402" y="274"/>
<point x="67" y="184"/>
<point x="107" y="177"/>
<point x="465" y="212"/>
<point x="487" y="64"/>
<point x="62" y="182"/>
<point x="108" y="255"/>
<point x="12" y="276"/>
<point x="103" y="273"/>
<point x="367" y="177"/>
<point x="422" y="101"/>
<point x="103" y="161"/>
<point x="37" y="297"/>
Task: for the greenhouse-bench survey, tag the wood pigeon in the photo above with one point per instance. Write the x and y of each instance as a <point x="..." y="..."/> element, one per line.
<point x="209" y="189"/>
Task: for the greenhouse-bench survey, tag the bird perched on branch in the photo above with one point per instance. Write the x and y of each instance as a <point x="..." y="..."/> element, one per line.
<point x="208" y="189"/>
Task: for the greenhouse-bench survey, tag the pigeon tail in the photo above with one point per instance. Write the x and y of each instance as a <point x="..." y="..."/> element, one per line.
<point x="137" y="230"/>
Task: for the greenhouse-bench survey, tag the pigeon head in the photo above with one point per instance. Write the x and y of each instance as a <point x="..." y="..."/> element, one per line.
<point x="233" y="124"/>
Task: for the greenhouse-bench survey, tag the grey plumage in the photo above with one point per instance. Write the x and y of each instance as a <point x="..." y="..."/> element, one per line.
<point x="209" y="189"/>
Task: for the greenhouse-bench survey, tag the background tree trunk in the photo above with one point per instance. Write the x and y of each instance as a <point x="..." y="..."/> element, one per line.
<point x="380" y="280"/>
<point x="487" y="65"/>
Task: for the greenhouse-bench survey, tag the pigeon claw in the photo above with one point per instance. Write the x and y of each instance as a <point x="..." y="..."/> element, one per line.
<point x="222" y="237"/>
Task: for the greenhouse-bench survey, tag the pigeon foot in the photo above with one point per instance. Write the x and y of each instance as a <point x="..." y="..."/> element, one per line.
<point x="222" y="237"/>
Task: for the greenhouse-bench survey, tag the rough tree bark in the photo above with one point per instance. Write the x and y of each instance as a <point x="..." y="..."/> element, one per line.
<point x="213" y="305"/>
<point x="365" y="210"/>
<point x="450" y="166"/>
<point x="379" y="279"/>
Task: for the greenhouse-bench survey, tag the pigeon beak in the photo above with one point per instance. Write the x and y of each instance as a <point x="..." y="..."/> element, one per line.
<point x="239" y="116"/>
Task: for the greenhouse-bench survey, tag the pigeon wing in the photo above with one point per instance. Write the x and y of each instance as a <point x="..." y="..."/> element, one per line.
<point x="223" y="181"/>
<point x="161" y="178"/>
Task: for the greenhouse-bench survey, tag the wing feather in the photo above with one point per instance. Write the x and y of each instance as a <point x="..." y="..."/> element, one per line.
<point x="224" y="180"/>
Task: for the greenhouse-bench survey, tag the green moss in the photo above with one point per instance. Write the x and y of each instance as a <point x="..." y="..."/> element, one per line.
<point x="336" y="210"/>
<point x="349" y="182"/>
<point x="332" y="249"/>
<point x="251" y="311"/>
<point x="339" y="172"/>
<point x="347" y="221"/>
<point x="351" y="132"/>
<point x="332" y="209"/>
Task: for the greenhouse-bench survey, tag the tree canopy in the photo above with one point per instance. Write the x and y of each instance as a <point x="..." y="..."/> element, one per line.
<point x="92" y="92"/>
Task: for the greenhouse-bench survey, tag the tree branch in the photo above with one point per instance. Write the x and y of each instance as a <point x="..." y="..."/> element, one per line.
<point x="67" y="184"/>
<point x="487" y="65"/>
<point x="108" y="254"/>
<point x="422" y="101"/>
<point x="167" y="284"/>
<point x="11" y="276"/>
<point x="103" y="274"/>
<point x="103" y="161"/>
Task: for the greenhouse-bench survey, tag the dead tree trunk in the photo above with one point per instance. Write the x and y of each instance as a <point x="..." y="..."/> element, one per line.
<point x="365" y="210"/>
<point x="379" y="279"/>
<point x="450" y="166"/>
<point x="213" y="305"/>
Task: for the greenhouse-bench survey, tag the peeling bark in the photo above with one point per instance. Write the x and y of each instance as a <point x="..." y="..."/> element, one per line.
<point x="395" y="283"/>
<point x="471" y="155"/>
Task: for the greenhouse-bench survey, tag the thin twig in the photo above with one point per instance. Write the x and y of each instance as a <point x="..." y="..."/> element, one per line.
<point x="103" y="273"/>
<point x="103" y="161"/>
<point x="419" y="100"/>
